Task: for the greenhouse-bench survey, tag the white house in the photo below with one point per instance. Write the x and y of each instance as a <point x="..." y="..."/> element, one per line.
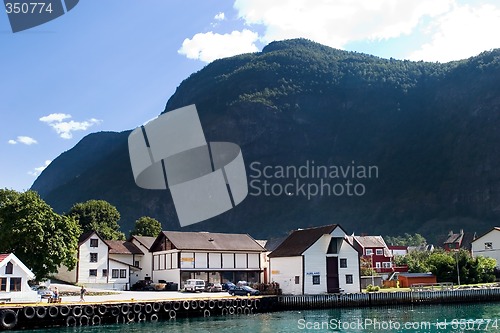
<point x="103" y="263"/>
<point x="213" y="257"/>
<point x="144" y="244"/>
<point x="14" y="277"/>
<point x="488" y="245"/>
<point x="316" y="261"/>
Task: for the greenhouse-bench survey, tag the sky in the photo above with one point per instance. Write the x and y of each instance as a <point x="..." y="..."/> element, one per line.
<point x="112" y="65"/>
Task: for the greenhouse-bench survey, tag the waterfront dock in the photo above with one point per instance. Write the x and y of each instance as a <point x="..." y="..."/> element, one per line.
<point x="42" y="315"/>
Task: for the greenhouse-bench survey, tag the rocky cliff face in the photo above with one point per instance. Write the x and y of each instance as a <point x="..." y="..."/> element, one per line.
<point x="429" y="129"/>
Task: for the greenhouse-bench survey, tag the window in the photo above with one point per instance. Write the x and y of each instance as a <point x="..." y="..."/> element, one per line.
<point x="333" y="247"/>
<point x="94" y="242"/>
<point x="115" y="273"/>
<point x="15" y="284"/>
<point x="488" y="246"/>
<point x="316" y="279"/>
<point x="3" y="284"/>
<point x="377" y="265"/>
<point x="379" y="252"/>
<point x="9" y="268"/>
<point x="348" y="279"/>
<point x="368" y="252"/>
<point x="123" y="273"/>
<point x="297" y="279"/>
<point x="104" y="272"/>
<point x="343" y="263"/>
<point x="92" y="272"/>
<point x="386" y="264"/>
<point x="136" y="263"/>
<point x="93" y="257"/>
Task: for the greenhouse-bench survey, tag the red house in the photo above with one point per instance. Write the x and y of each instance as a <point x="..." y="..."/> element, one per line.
<point x="375" y="250"/>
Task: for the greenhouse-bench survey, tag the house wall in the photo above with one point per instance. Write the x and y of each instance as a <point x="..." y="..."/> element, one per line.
<point x="283" y="270"/>
<point x="122" y="281"/>
<point x="146" y="263"/>
<point x="84" y="264"/>
<point x="17" y="272"/>
<point x="352" y="256"/>
<point x="66" y="275"/>
<point x="480" y="249"/>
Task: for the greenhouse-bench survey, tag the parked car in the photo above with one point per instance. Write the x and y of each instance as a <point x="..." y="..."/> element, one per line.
<point x="243" y="291"/>
<point x="194" y="285"/>
<point x="228" y="285"/>
<point x="213" y="287"/>
<point x="143" y="285"/>
<point x="43" y="291"/>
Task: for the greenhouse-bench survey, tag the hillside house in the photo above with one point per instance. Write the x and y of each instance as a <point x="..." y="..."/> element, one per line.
<point x="374" y="251"/>
<point x="461" y="240"/>
<point x="103" y="263"/>
<point x="488" y="245"/>
<point x="315" y="261"/>
<point x="14" y="277"/>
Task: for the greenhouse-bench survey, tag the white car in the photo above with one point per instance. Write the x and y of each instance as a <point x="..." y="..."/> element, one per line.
<point x="194" y="285"/>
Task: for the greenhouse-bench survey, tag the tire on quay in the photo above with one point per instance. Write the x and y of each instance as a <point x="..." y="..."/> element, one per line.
<point x="206" y="313"/>
<point x="41" y="312"/>
<point x="8" y="319"/>
<point x="193" y="304"/>
<point x="125" y="309"/>
<point x="153" y="317"/>
<point x="102" y="309"/>
<point x="88" y="310"/>
<point x="84" y="320"/>
<point x="77" y="311"/>
<point x="172" y="314"/>
<point x="29" y="312"/>
<point x="167" y="306"/>
<point x="177" y="306"/>
<point x="53" y="311"/>
<point x="156" y="307"/>
<point x="96" y="320"/>
<point x="148" y="308"/>
<point x="71" y="321"/>
<point x="64" y="310"/>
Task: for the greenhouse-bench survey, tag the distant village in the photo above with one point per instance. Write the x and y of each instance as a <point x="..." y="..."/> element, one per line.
<point x="317" y="260"/>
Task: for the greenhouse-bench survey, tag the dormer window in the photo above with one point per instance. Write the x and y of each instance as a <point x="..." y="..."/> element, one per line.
<point x="9" y="268"/>
<point x="333" y="247"/>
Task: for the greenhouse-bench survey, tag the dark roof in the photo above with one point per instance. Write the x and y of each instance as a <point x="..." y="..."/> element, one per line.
<point x="273" y="243"/>
<point x="300" y="240"/>
<point x="122" y="247"/>
<point x="146" y="241"/>
<point x="86" y="235"/>
<point x="209" y="241"/>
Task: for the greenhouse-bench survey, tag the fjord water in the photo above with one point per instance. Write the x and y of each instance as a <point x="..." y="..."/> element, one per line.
<point x="482" y="317"/>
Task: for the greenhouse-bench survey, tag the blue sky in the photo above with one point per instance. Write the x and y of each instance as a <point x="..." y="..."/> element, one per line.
<point x="112" y="65"/>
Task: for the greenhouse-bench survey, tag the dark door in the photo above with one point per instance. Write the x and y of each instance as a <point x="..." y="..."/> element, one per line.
<point x="332" y="275"/>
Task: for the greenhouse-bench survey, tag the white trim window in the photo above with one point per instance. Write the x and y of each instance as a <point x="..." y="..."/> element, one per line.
<point x="368" y="252"/>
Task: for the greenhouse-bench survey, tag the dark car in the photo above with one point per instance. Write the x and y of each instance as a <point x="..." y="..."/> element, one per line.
<point x="243" y="291"/>
<point x="228" y="285"/>
<point x="142" y="285"/>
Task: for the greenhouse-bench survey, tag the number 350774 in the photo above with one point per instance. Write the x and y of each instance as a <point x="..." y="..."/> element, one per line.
<point x="28" y="7"/>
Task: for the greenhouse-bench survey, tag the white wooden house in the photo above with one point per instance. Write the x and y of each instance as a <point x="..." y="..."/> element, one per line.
<point x="144" y="244"/>
<point x="213" y="257"/>
<point x="316" y="261"/>
<point x="103" y="263"/>
<point x="14" y="277"/>
<point x="488" y="245"/>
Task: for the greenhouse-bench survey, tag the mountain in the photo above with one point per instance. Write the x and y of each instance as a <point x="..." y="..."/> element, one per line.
<point x="428" y="131"/>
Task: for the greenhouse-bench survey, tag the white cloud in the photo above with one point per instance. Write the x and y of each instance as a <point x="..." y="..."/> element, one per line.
<point x="24" y="140"/>
<point x="463" y="32"/>
<point x="220" y="16"/>
<point x="65" y="129"/>
<point x="55" y="117"/>
<point x="210" y="46"/>
<point x="335" y="23"/>
<point x="37" y="171"/>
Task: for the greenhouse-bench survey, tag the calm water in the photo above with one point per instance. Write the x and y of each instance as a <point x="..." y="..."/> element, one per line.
<point x="423" y="319"/>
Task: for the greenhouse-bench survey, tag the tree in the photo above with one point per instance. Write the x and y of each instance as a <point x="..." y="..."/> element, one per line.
<point x="42" y="239"/>
<point x="100" y="216"/>
<point x="406" y="240"/>
<point x="146" y="226"/>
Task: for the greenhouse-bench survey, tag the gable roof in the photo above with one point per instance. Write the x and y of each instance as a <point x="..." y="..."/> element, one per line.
<point x="492" y="229"/>
<point x="208" y="241"/>
<point x="372" y="242"/>
<point x="145" y="241"/>
<point x="300" y="240"/>
<point x="122" y="247"/>
<point x="7" y="257"/>
<point x="86" y="235"/>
